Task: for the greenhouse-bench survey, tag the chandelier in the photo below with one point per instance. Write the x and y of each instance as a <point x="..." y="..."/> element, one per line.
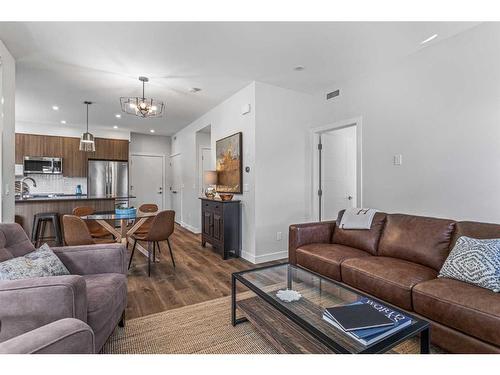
<point x="87" y="140"/>
<point x="142" y="106"/>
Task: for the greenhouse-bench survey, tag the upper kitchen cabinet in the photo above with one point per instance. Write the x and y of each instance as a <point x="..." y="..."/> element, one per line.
<point x="74" y="160"/>
<point x="110" y="149"/>
<point x="67" y="148"/>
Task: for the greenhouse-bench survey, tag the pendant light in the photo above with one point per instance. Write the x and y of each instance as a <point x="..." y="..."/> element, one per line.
<point x="141" y="106"/>
<point x="87" y="140"/>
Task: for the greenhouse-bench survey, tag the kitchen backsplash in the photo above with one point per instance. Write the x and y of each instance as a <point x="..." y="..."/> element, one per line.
<point x="53" y="183"/>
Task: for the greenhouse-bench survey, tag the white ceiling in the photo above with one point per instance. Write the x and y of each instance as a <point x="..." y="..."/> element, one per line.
<point x="66" y="63"/>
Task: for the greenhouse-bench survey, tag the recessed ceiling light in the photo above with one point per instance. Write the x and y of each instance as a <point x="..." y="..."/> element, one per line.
<point x="118" y="115"/>
<point x="55" y="108"/>
<point x="299" y="68"/>
<point x="115" y="127"/>
<point x="432" y="37"/>
<point x="194" y="89"/>
<point x="63" y="121"/>
<point x="152" y="131"/>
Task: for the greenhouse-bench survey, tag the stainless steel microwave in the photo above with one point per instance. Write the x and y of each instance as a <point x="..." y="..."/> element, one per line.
<point x="46" y="165"/>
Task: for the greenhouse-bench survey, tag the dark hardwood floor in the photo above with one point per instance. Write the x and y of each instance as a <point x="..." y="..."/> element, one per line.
<point x="200" y="275"/>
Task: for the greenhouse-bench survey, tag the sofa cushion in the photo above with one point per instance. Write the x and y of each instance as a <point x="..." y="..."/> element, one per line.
<point x="475" y="262"/>
<point x="13" y="242"/>
<point x="106" y="300"/>
<point x="326" y="259"/>
<point x="473" y="229"/>
<point x="390" y="279"/>
<point x="464" y="307"/>
<point x="363" y="239"/>
<point x="418" y="239"/>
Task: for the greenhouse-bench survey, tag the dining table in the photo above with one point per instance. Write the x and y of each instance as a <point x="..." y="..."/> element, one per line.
<point x="123" y="233"/>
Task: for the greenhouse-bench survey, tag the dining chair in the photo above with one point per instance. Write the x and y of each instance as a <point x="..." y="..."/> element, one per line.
<point x="161" y="228"/>
<point x="146" y="208"/>
<point x="77" y="233"/>
<point x="96" y="230"/>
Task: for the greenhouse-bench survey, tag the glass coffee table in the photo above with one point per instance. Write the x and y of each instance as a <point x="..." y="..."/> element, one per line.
<point x="298" y="326"/>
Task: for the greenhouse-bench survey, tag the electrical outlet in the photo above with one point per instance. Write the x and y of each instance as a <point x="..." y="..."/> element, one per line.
<point x="278" y="236"/>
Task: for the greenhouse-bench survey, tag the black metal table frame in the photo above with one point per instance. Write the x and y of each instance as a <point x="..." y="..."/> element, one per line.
<point x="421" y="326"/>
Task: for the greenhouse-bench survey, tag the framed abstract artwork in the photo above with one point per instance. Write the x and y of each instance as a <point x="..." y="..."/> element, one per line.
<point x="229" y="164"/>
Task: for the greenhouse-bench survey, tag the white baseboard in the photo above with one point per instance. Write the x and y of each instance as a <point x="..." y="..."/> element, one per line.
<point x="264" y="258"/>
<point x="190" y="228"/>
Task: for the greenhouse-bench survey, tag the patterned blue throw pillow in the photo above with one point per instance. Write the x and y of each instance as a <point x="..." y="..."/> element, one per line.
<point x="475" y="262"/>
<point x="38" y="263"/>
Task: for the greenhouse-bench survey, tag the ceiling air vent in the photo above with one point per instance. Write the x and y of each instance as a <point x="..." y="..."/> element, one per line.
<point x="332" y="94"/>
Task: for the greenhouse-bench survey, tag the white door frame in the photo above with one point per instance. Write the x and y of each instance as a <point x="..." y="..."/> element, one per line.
<point x="164" y="174"/>
<point x="200" y="167"/>
<point x="314" y="139"/>
<point x="178" y="214"/>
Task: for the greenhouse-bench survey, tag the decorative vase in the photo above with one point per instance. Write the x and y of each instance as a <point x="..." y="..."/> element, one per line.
<point x="210" y="192"/>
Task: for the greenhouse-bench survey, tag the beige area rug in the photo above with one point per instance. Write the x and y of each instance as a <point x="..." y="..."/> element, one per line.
<point x="204" y="328"/>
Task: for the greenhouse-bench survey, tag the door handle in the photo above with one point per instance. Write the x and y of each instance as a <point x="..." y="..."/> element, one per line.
<point x="174" y="192"/>
<point x="349" y="197"/>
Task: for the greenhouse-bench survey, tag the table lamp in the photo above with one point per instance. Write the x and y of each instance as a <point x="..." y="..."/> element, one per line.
<point x="210" y="179"/>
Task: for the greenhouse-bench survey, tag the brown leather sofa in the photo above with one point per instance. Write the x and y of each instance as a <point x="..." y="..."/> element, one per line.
<point x="398" y="261"/>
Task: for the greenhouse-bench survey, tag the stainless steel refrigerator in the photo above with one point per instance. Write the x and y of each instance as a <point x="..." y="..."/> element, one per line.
<point x="108" y="178"/>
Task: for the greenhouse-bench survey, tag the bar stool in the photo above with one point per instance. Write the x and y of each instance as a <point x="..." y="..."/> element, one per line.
<point x="39" y="224"/>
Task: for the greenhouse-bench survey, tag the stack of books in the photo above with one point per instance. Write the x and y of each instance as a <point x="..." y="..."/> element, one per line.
<point x="365" y="320"/>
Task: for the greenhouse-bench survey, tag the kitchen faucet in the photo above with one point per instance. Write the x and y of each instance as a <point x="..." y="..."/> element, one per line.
<point x="23" y="183"/>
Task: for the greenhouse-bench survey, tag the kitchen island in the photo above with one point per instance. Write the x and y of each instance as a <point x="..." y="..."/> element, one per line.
<point x="25" y="209"/>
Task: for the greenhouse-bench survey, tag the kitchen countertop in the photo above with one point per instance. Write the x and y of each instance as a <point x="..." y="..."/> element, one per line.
<point x="69" y="197"/>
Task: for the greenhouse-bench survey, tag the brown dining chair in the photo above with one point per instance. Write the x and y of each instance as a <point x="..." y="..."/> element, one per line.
<point x="146" y="208"/>
<point x="77" y="233"/>
<point x="96" y="230"/>
<point x="161" y="228"/>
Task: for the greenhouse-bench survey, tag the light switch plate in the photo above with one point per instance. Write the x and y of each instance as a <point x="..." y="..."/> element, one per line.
<point x="398" y="159"/>
<point x="245" y="187"/>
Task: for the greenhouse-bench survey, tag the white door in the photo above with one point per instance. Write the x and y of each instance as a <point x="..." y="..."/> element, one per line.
<point x="338" y="171"/>
<point x="205" y="162"/>
<point x="176" y="187"/>
<point x="147" y="180"/>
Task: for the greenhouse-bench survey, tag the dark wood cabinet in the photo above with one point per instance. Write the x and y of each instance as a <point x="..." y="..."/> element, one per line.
<point x="221" y="226"/>
<point x="68" y="148"/>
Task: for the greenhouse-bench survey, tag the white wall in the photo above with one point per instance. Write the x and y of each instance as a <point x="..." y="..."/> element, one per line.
<point x="144" y="144"/>
<point x="7" y="121"/>
<point x="225" y="119"/>
<point x="281" y="142"/>
<point x="440" y="109"/>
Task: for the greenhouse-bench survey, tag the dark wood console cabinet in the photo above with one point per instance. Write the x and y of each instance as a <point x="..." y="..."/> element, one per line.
<point x="221" y="226"/>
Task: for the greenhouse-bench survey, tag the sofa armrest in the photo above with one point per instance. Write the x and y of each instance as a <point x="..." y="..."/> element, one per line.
<point x="303" y="234"/>
<point x="27" y="304"/>
<point x="94" y="259"/>
<point x="65" y="336"/>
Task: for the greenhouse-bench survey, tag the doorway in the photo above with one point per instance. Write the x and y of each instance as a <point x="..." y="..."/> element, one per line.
<point x="147" y="180"/>
<point x="337" y="169"/>
<point x="176" y="187"/>
<point x="205" y="163"/>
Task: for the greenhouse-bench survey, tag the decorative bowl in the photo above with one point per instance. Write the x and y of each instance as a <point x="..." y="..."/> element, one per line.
<point x="226" y="197"/>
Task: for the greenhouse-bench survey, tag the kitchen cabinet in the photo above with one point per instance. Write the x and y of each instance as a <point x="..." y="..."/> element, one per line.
<point x="67" y="148"/>
<point x="221" y="226"/>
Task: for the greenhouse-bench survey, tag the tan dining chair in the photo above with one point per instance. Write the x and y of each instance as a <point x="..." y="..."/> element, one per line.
<point x="162" y="226"/>
<point x="96" y="230"/>
<point x="77" y="233"/>
<point x="146" y="208"/>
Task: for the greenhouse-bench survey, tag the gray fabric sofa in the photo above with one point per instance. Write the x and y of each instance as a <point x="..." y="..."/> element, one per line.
<point x="63" y="336"/>
<point x="95" y="293"/>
